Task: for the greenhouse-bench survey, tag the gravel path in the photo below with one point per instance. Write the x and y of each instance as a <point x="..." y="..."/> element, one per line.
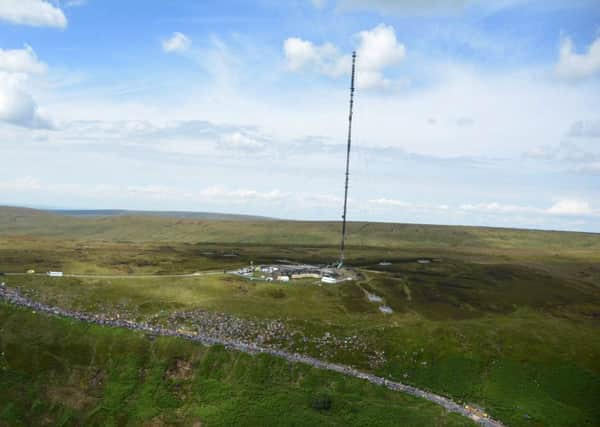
<point x="126" y="276"/>
<point x="14" y="297"/>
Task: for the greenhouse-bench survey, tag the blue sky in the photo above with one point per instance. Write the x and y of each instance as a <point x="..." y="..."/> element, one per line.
<point x="467" y="111"/>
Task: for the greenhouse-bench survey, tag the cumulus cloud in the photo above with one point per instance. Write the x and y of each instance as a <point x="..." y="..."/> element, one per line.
<point x="178" y="42"/>
<point x="21" y="61"/>
<point x="326" y="58"/>
<point x="577" y="66"/>
<point x="18" y="107"/>
<point x="377" y="49"/>
<point x="37" y="13"/>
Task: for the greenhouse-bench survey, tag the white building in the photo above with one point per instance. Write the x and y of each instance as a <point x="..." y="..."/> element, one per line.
<point x="283" y="278"/>
<point x="305" y="276"/>
<point x="329" y="279"/>
<point x="55" y="273"/>
<point x="385" y="309"/>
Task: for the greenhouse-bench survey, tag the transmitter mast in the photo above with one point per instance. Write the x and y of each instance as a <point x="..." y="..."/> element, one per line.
<point x="341" y="263"/>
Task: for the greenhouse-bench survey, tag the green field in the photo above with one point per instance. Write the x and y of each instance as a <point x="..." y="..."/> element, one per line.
<point x="506" y="319"/>
<point x="60" y="372"/>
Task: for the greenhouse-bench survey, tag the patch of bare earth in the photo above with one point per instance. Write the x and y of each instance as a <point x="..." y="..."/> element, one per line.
<point x="181" y="370"/>
<point x="72" y="397"/>
<point x="81" y="391"/>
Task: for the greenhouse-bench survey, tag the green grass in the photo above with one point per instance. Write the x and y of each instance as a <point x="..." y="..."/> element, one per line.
<point x="19" y="221"/>
<point x="506" y="351"/>
<point x="507" y="319"/>
<point x="60" y="372"/>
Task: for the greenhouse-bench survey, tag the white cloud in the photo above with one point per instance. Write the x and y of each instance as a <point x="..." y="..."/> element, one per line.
<point x="300" y="52"/>
<point x="385" y="203"/>
<point x="20" y="184"/>
<point x="570" y="207"/>
<point x="576" y="66"/>
<point x="320" y="200"/>
<point x="37" y="13"/>
<point x="148" y="191"/>
<point x="21" y="61"/>
<point x="389" y="202"/>
<point x="211" y="195"/>
<point x="563" y="207"/>
<point x="17" y="106"/>
<point x="219" y="194"/>
<point x="319" y="4"/>
<point x="237" y="141"/>
<point x="178" y="42"/>
<point x="325" y="58"/>
<point x="377" y="49"/>
<point x="497" y="208"/>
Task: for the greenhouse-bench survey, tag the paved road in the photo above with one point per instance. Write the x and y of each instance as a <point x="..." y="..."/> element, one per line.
<point x="126" y="276"/>
<point x="13" y="296"/>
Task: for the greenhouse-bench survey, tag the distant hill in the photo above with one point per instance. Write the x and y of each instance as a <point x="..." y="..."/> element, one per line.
<point x="238" y="229"/>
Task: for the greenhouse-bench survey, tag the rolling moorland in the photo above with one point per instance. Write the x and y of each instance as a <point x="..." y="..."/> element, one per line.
<point x="505" y="319"/>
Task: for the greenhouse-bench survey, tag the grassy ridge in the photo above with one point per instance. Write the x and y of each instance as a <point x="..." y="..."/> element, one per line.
<point x="507" y="319"/>
<point x="60" y="372"/>
<point x="531" y="365"/>
<point x="18" y="221"/>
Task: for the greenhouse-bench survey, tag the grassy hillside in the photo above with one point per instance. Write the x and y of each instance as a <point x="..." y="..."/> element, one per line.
<point x="530" y="356"/>
<point x="507" y="319"/>
<point x="19" y="221"/>
<point x="59" y="372"/>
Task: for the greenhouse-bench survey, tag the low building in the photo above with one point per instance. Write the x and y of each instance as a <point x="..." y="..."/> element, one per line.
<point x="55" y="273"/>
<point x="385" y="309"/>
<point x="306" y="276"/>
<point x="283" y="278"/>
<point x="329" y="279"/>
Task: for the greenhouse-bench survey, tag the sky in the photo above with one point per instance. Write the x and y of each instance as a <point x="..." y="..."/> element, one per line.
<point x="466" y="112"/>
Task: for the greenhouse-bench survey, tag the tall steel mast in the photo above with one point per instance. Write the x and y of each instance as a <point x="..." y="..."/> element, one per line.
<point x="347" y="161"/>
